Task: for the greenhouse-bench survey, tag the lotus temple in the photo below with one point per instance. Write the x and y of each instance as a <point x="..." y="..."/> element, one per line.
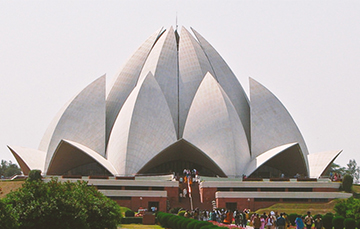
<point x="176" y="104"/>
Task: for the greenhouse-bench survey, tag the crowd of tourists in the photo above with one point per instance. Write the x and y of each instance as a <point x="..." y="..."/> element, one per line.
<point x="241" y="219"/>
<point x="273" y="220"/>
<point x="219" y="215"/>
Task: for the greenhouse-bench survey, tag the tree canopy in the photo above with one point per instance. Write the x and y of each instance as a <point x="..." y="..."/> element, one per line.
<point x="348" y="208"/>
<point x="9" y="169"/>
<point x="55" y="204"/>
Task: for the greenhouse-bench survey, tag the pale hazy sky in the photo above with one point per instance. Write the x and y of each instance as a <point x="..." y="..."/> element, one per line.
<point x="306" y="52"/>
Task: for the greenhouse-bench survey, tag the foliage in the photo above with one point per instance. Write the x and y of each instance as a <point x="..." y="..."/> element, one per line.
<point x="347" y="183"/>
<point x="292" y="218"/>
<point x="338" y="222"/>
<point x="7" y="218"/>
<point x="185" y="222"/>
<point x="348" y="208"/>
<point x="129" y="213"/>
<point x="132" y="220"/>
<point x="349" y="223"/>
<point x="327" y="221"/>
<point x="335" y="168"/>
<point x="39" y="204"/>
<point x="8" y="169"/>
<point x="358" y="224"/>
<point x="201" y="224"/>
<point x="35" y="175"/>
<point x="353" y="170"/>
<point x="168" y="220"/>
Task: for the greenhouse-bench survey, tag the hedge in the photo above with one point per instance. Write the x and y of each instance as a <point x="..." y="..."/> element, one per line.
<point x="327" y="221"/>
<point x="349" y="223"/>
<point x="168" y="220"/>
<point x="131" y="220"/>
<point x="129" y="213"/>
<point x="338" y="222"/>
<point x="292" y="218"/>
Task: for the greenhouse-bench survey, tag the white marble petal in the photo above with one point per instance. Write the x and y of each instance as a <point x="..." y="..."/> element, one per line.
<point x="163" y="64"/>
<point x="263" y="158"/>
<point x="70" y="154"/>
<point x="82" y="121"/>
<point x="319" y="162"/>
<point x="271" y="123"/>
<point x="126" y="80"/>
<point x="213" y="126"/>
<point x="228" y="82"/>
<point x="28" y="159"/>
<point x="143" y="128"/>
<point x="193" y="65"/>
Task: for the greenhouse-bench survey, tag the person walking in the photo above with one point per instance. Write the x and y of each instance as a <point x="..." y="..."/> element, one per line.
<point x="309" y="220"/>
<point x="299" y="221"/>
<point x="256" y="222"/>
<point x="280" y="222"/>
<point x="318" y="222"/>
<point x="269" y="222"/>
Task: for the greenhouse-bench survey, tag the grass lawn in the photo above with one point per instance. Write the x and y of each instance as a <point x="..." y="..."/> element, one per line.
<point x="356" y="188"/>
<point x="7" y="186"/>
<point x="130" y="226"/>
<point x="301" y="208"/>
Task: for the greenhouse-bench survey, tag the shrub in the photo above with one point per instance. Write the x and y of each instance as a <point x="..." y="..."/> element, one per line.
<point x="349" y="223"/>
<point x="132" y="220"/>
<point x="358" y="224"/>
<point x="209" y="227"/>
<point x="38" y="204"/>
<point x="164" y="220"/>
<point x="292" y="218"/>
<point x="172" y="221"/>
<point x="185" y="222"/>
<point x="348" y="208"/>
<point x="191" y="225"/>
<point x="347" y="183"/>
<point x="201" y="224"/>
<point x="34" y="175"/>
<point x="129" y="213"/>
<point x="327" y="221"/>
<point x="7" y="218"/>
<point x="338" y="222"/>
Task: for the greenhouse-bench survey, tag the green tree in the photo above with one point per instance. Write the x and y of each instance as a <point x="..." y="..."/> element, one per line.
<point x="7" y="218"/>
<point x="347" y="183"/>
<point x="353" y="170"/>
<point x="335" y="168"/>
<point x="9" y="169"/>
<point x="39" y="204"/>
<point x="348" y="208"/>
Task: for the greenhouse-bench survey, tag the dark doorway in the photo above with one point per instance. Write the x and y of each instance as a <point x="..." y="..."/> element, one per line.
<point x="231" y="206"/>
<point x="153" y="206"/>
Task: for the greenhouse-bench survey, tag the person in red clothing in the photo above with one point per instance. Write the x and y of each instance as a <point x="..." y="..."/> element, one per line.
<point x="228" y="218"/>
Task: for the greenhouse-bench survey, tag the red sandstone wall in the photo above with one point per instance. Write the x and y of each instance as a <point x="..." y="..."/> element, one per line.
<point x="173" y="195"/>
